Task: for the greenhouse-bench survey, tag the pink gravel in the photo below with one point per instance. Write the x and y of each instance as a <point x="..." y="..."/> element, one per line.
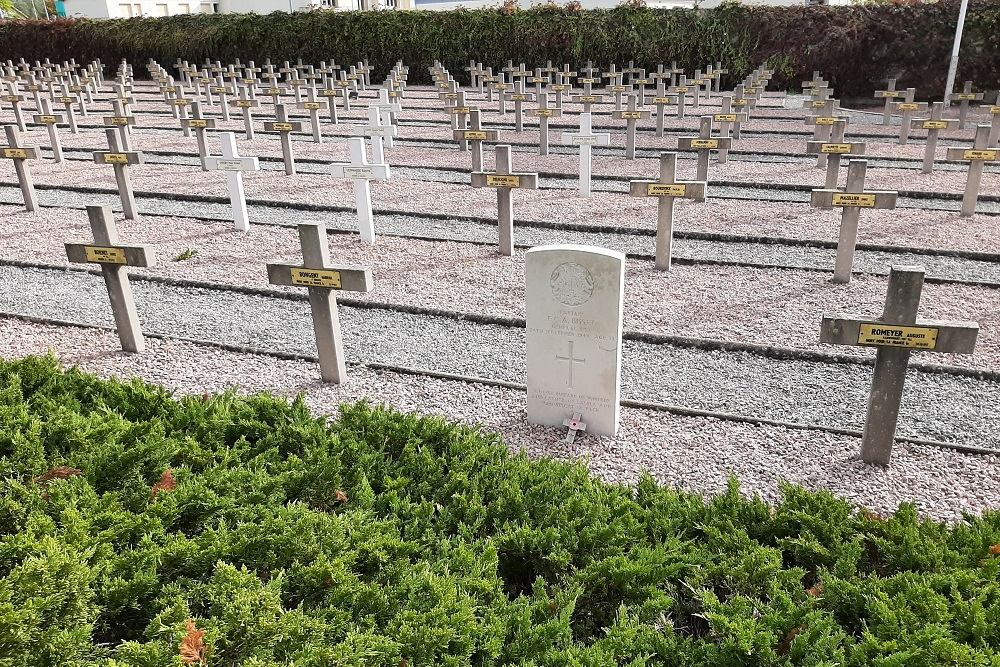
<point x="731" y="303"/>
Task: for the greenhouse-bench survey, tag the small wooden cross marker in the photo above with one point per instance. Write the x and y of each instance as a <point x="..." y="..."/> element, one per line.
<point x="852" y="199"/>
<point x="19" y="154"/>
<point x="504" y="180"/>
<point x="895" y="335"/>
<point x="234" y="165"/>
<point x="113" y="258"/>
<point x="975" y="156"/>
<point x="666" y="189"/>
<point x="575" y="426"/>
<point x="323" y="279"/>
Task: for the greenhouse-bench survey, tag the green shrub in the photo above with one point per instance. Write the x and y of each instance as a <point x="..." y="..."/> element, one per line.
<point x="854" y="46"/>
<point x="140" y="529"/>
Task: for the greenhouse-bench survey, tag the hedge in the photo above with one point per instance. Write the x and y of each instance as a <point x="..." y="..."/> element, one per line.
<point x="145" y="530"/>
<point x="855" y="47"/>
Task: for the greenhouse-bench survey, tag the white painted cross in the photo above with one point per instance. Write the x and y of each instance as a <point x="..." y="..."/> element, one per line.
<point x="234" y="165"/>
<point x="504" y="180"/>
<point x="852" y="199"/>
<point x="361" y="171"/>
<point x="113" y="259"/>
<point x="976" y="156"/>
<point x="575" y="426"/>
<point x="323" y="280"/>
<point x="666" y="189"/>
<point x="377" y="132"/>
<point x="586" y="138"/>
<point x="894" y="335"/>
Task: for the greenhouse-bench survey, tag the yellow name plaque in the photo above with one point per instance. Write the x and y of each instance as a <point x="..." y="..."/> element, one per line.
<point x="725" y="118"/>
<point x="882" y="335"/>
<point x="474" y="135"/>
<point x="316" y="278"/>
<point x="281" y="127"/>
<point x="15" y="153"/>
<point x="47" y="119"/>
<point x="973" y="154"/>
<point x="101" y="255"/>
<point x="704" y="143"/>
<point x="849" y="199"/>
<point x="631" y="114"/>
<point x="665" y="190"/>
<point x="825" y="120"/>
<point x="965" y="96"/>
<point x="934" y="125"/>
<point x="115" y="158"/>
<point x="197" y="122"/>
<point x="908" y="106"/>
<point x="503" y="180"/>
<point x="835" y="149"/>
<point x="312" y="105"/>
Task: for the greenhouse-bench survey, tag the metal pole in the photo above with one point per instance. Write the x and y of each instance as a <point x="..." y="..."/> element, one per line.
<point x="953" y="65"/>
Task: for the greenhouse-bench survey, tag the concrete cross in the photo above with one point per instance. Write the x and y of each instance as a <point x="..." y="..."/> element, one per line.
<point x="681" y="91"/>
<point x="222" y="90"/>
<point x="559" y="88"/>
<point x="740" y="104"/>
<point x="247" y="105"/>
<point x="817" y="81"/>
<point x="852" y="199"/>
<point x="995" y="122"/>
<point x="387" y="109"/>
<point x="113" y="259"/>
<point x="284" y="127"/>
<point x="575" y="426"/>
<point x="323" y="279"/>
<point x="361" y="171"/>
<point x="717" y="75"/>
<point x="19" y="154"/>
<point x="889" y="94"/>
<point x="617" y="88"/>
<point x="377" y="132"/>
<point x="180" y="105"/>
<point x="476" y="135"/>
<point x="543" y="113"/>
<point x="894" y="335"/>
<point x="67" y="103"/>
<point x="486" y="84"/>
<point x="501" y="87"/>
<point x="666" y="189"/>
<point x="540" y="80"/>
<point x="234" y="165"/>
<point x="200" y="125"/>
<point x="586" y="138"/>
<point x="14" y="98"/>
<point x="330" y="93"/>
<point x="519" y="97"/>
<point x="906" y="109"/>
<point x="933" y="125"/>
<point x="675" y="73"/>
<point x="704" y="144"/>
<point x="727" y="118"/>
<point x="120" y="159"/>
<point x="459" y="118"/>
<point x="835" y="149"/>
<point x="660" y="101"/>
<point x="505" y="180"/>
<point x="50" y="121"/>
<point x="312" y="105"/>
<point x="963" y="98"/>
<point x="588" y="97"/>
<point x="630" y="115"/>
<point x="122" y="123"/>
<point x="822" y="121"/>
<point x="976" y="156"/>
<point x="697" y="82"/>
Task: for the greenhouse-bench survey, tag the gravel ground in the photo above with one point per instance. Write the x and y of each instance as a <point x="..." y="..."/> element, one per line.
<point x="937" y="406"/>
<point x="778" y="254"/>
<point x="765" y="306"/>
<point x="695" y="454"/>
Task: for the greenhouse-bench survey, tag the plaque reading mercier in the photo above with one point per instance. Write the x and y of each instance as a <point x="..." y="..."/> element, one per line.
<point x="573" y="308"/>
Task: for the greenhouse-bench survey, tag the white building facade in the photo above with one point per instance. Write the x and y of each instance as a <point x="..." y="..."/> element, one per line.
<point x="123" y="9"/>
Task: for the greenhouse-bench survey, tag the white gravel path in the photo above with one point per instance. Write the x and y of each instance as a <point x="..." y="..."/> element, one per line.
<point x="696" y="454"/>
<point x="766" y="306"/>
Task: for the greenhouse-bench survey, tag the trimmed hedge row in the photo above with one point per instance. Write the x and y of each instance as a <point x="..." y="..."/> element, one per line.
<point x="137" y="529"/>
<point x="854" y="46"/>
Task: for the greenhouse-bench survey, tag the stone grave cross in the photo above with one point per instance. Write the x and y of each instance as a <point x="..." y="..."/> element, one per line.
<point x="323" y="279"/>
<point x="963" y="98"/>
<point x="894" y="335"/>
<point x="361" y="172"/>
<point x="630" y="115"/>
<point x="889" y="94"/>
<point x="113" y="258"/>
<point x="976" y="156"/>
<point x="247" y="105"/>
<point x="704" y="144"/>
<point x="51" y="121"/>
<point x="852" y="199"/>
<point x="666" y="189"/>
<point x="200" y="125"/>
<point x="835" y="149"/>
<point x="505" y="180"/>
<point x="120" y="160"/>
<point x="476" y="135"/>
<point x="312" y="105"/>
<point x="933" y="125"/>
<point x="544" y="112"/>
<point x="519" y="97"/>
<point x="727" y="118"/>
<point x="284" y="127"/>
<point x="586" y="138"/>
<point x="822" y="120"/>
<point x="20" y="154"/>
<point x="906" y="109"/>
<point x="234" y="165"/>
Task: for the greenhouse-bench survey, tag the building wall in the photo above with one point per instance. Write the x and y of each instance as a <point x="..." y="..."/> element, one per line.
<point x="131" y="8"/>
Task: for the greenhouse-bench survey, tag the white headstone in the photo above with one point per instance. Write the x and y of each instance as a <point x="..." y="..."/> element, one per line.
<point x="573" y="309"/>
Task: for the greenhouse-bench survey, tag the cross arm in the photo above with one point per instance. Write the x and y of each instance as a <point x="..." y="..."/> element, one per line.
<point x="684" y="189"/>
<point x="933" y="123"/>
<point x="833" y="148"/>
<point x="346" y="278"/>
<point x="872" y="199"/>
<point x="92" y="253"/>
<point x="697" y="143"/>
<point x="927" y="335"/>
<point x="633" y="115"/>
<point x="594" y="139"/>
<point x="20" y="152"/>
<point x="483" y="179"/>
<point x="112" y="157"/>
<point x="967" y="154"/>
<point x="476" y="135"/>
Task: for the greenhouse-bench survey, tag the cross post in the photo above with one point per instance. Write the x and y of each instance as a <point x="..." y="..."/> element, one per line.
<point x="586" y="138"/>
<point x="666" y="189"/>
<point x="19" y="154"/>
<point x="505" y="180"/>
<point x="361" y="172"/>
<point x="282" y="125"/>
<point x="234" y="165"/>
<point x="976" y="156"/>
